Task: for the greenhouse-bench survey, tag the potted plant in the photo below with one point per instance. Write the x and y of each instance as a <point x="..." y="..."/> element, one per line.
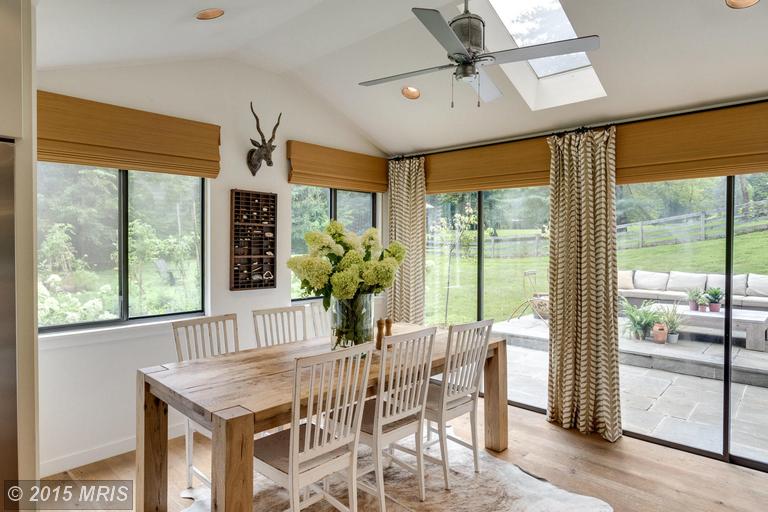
<point x="693" y="298"/>
<point x="347" y="270"/>
<point x="640" y="319"/>
<point x="703" y="302"/>
<point x="673" y="320"/>
<point x="715" y="296"/>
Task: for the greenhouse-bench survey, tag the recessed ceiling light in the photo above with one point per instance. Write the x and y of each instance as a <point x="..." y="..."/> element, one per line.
<point x="210" y="14"/>
<point x="412" y="93"/>
<point x="740" y="4"/>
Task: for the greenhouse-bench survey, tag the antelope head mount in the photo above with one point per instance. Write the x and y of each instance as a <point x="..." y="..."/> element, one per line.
<point x="261" y="151"/>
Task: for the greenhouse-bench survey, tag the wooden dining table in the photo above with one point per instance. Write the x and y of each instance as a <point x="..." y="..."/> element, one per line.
<point x="238" y="395"/>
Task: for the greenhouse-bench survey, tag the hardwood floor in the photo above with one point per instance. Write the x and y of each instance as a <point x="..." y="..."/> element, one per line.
<point x="631" y="475"/>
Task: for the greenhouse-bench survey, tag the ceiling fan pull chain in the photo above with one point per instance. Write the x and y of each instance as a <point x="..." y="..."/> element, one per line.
<point x="478" y="90"/>
<point x="452" y="81"/>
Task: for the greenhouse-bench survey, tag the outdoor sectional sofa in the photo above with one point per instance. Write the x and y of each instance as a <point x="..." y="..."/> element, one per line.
<point x="750" y="291"/>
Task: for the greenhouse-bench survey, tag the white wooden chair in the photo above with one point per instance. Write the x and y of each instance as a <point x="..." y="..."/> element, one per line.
<point x="458" y="392"/>
<point x="197" y="338"/>
<point x="321" y="319"/>
<point x="280" y="325"/>
<point x="399" y="407"/>
<point x="325" y="428"/>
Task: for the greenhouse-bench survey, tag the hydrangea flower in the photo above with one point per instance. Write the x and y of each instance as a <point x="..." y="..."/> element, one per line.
<point x="320" y="244"/>
<point x="314" y="270"/>
<point x="344" y="283"/>
<point x="396" y="250"/>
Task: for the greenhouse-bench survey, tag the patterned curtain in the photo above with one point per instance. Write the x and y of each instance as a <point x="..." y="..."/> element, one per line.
<point x="407" y="225"/>
<point x="583" y="291"/>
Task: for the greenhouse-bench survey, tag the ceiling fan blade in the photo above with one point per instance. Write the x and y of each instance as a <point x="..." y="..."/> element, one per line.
<point x="440" y="30"/>
<point x="394" y="78"/>
<point x="488" y="90"/>
<point x="579" y="44"/>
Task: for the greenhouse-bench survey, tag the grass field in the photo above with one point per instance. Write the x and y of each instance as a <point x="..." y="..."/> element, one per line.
<point x="503" y="278"/>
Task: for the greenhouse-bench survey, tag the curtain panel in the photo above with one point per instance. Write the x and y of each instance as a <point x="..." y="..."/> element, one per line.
<point x="407" y="225"/>
<point x="584" y="352"/>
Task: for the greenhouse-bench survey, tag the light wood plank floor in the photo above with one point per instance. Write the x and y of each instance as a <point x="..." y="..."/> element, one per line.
<point x="631" y="475"/>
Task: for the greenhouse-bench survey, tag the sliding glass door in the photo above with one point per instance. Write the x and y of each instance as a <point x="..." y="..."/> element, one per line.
<point x="671" y="246"/>
<point x="749" y="353"/>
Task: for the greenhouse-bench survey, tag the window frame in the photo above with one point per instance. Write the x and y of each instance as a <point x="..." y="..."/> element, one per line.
<point x="122" y="269"/>
<point x="332" y="215"/>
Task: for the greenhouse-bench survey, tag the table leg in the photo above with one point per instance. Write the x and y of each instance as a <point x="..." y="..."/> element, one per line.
<point x="495" y="399"/>
<point x="151" y="450"/>
<point x="756" y="337"/>
<point x="232" y="465"/>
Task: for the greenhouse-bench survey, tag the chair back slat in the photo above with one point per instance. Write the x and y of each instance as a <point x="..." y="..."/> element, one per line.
<point x="336" y="384"/>
<point x="321" y="319"/>
<point x="205" y="336"/>
<point x="280" y="325"/>
<point x="404" y="371"/>
<point x="465" y="354"/>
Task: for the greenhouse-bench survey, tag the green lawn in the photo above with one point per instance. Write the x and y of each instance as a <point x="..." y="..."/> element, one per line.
<point x="503" y="280"/>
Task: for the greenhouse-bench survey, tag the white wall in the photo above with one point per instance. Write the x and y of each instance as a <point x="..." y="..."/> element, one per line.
<point x="87" y="380"/>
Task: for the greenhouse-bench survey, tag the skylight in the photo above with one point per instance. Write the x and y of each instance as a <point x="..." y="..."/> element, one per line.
<point x="540" y="21"/>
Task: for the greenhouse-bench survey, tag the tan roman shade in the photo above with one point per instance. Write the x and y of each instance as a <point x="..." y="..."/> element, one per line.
<point x="321" y="166"/>
<point x="77" y="131"/>
<point x="718" y="142"/>
<point x="523" y="163"/>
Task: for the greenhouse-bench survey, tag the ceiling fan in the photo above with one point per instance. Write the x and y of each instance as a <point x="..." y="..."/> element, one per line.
<point x="464" y="40"/>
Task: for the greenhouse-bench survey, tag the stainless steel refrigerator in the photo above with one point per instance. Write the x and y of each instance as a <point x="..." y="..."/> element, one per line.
<point x="8" y="437"/>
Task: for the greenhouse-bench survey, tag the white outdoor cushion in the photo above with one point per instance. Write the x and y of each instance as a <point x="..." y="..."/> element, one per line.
<point x="755" y="302"/>
<point x="635" y="293"/>
<point x="757" y="285"/>
<point x="651" y="280"/>
<point x="684" y="281"/>
<point x="625" y="280"/>
<point x="718" y="281"/>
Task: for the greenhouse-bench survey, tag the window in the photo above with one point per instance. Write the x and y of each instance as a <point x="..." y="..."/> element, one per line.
<point x="532" y="22"/>
<point x="312" y="208"/>
<point x="451" y="262"/>
<point x="115" y="245"/>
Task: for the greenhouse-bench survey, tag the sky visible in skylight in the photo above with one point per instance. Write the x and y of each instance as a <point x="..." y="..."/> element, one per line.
<point x="540" y="21"/>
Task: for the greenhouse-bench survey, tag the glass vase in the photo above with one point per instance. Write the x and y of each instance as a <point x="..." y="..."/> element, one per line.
<point x="352" y="321"/>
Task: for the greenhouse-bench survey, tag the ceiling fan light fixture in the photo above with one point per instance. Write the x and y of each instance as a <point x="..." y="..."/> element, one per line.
<point x="740" y="4"/>
<point x="209" y="14"/>
<point x="410" y="92"/>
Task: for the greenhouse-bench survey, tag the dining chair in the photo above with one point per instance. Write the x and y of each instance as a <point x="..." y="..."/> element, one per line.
<point x="280" y="325"/>
<point x="458" y="392"/>
<point x="398" y="410"/>
<point x="321" y="319"/>
<point x="197" y="338"/>
<point x="325" y="428"/>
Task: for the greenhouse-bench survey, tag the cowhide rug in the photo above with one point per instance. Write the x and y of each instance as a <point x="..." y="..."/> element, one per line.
<point x="500" y="486"/>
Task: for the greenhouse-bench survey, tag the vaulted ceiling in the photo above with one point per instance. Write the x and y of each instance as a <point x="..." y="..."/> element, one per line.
<point x="655" y="56"/>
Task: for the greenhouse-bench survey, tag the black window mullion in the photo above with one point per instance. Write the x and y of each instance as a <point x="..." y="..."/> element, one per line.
<point x="480" y="262"/>
<point x="727" y="335"/>
<point x="373" y="209"/>
<point x="122" y="244"/>
<point x="333" y="204"/>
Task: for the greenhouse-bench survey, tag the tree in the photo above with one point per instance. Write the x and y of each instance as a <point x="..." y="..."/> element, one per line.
<point x="143" y="248"/>
<point x="56" y="253"/>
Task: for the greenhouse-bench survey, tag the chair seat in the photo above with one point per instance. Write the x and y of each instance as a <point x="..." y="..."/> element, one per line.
<point x="435" y="395"/>
<point x="274" y="450"/>
<point x="369" y="414"/>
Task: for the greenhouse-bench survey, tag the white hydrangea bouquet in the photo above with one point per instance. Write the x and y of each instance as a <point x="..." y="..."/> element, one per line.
<point x="347" y="270"/>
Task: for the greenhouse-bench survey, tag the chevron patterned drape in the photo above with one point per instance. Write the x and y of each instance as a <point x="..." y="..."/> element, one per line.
<point x="407" y="225"/>
<point x="583" y="294"/>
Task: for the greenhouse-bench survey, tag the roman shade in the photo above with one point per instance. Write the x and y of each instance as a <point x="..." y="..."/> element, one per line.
<point x="79" y="131"/>
<point x="523" y="163"/>
<point x="322" y="166"/>
<point x="717" y="142"/>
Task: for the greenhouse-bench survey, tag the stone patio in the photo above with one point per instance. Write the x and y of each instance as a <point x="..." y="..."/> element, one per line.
<point x="673" y="405"/>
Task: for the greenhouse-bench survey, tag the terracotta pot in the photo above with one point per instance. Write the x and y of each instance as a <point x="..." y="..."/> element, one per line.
<point x="659" y="333"/>
<point x="714" y="307"/>
<point x="693" y="305"/>
<point x="702" y="308"/>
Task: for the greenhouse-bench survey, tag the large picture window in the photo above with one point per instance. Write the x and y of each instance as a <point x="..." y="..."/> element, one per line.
<point x="115" y="245"/>
<point x="312" y="208"/>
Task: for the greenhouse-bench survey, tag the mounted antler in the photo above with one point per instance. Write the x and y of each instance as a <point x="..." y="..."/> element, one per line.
<point x="262" y="151"/>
